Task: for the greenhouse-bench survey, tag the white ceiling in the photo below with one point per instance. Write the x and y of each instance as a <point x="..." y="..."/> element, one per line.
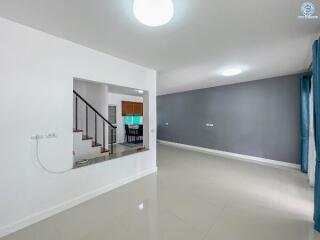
<point x="116" y="88"/>
<point x="262" y="36"/>
<point x="124" y="90"/>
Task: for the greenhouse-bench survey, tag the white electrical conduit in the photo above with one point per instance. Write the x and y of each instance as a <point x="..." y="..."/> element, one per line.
<point x="42" y="165"/>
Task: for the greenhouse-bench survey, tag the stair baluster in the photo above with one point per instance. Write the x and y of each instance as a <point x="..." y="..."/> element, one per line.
<point x="104" y="137"/>
<point x="87" y="133"/>
<point x="97" y="114"/>
<point x="76" y="112"/>
<point x="95" y="130"/>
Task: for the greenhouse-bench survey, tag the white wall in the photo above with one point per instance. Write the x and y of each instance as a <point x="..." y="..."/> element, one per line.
<point x="37" y="72"/>
<point x="115" y="100"/>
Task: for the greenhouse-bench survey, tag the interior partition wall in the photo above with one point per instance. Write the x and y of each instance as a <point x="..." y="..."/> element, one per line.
<point x="258" y="118"/>
<point x="30" y="58"/>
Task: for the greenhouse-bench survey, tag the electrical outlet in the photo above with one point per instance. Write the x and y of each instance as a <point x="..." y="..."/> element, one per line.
<point x="51" y="135"/>
<point x="36" y="136"/>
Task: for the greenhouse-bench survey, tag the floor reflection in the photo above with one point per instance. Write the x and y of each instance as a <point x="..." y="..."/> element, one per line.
<point x="193" y="196"/>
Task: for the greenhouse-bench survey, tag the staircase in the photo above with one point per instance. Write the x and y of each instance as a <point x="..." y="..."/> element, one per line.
<point x="85" y="144"/>
<point x="85" y="148"/>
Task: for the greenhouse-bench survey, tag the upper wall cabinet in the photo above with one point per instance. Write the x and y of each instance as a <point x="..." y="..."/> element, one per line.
<point x="132" y="108"/>
<point x="138" y="108"/>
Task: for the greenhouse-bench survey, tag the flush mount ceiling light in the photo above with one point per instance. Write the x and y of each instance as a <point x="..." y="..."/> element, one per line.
<point x="231" y="72"/>
<point x="153" y="13"/>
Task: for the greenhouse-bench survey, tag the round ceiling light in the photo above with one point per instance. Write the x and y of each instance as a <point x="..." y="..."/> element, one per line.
<point x="153" y="13"/>
<point x="231" y="72"/>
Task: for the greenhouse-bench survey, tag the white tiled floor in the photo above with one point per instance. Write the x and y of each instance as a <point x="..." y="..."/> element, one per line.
<point x="193" y="196"/>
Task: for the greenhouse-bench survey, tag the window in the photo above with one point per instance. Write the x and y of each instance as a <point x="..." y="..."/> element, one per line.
<point x="133" y="120"/>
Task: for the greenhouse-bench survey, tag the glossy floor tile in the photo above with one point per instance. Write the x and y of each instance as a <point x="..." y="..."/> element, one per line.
<point x="193" y="196"/>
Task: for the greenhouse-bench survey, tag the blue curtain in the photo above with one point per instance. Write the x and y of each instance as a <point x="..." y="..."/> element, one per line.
<point x="305" y="112"/>
<point x="316" y="96"/>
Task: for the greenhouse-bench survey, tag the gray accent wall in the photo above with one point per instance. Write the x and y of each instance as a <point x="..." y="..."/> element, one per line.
<point x="258" y="118"/>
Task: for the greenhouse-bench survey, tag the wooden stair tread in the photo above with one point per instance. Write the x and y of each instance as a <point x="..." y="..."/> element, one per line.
<point x="77" y="130"/>
<point x="86" y="138"/>
<point x="96" y="145"/>
<point x="103" y="150"/>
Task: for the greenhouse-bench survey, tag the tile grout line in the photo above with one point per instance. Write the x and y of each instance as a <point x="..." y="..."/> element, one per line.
<point x="214" y="224"/>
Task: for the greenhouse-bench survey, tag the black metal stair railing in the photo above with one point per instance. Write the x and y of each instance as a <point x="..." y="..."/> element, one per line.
<point x="96" y="114"/>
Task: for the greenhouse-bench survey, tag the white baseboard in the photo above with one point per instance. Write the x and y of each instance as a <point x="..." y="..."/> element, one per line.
<point x="6" y="230"/>
<point x="230" y="155"/>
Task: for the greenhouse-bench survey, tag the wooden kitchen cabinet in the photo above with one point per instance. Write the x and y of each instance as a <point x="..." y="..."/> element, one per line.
<point x="127" y="108"/>
<point x="138" y="109"/>
<point x="132" y="108"/>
